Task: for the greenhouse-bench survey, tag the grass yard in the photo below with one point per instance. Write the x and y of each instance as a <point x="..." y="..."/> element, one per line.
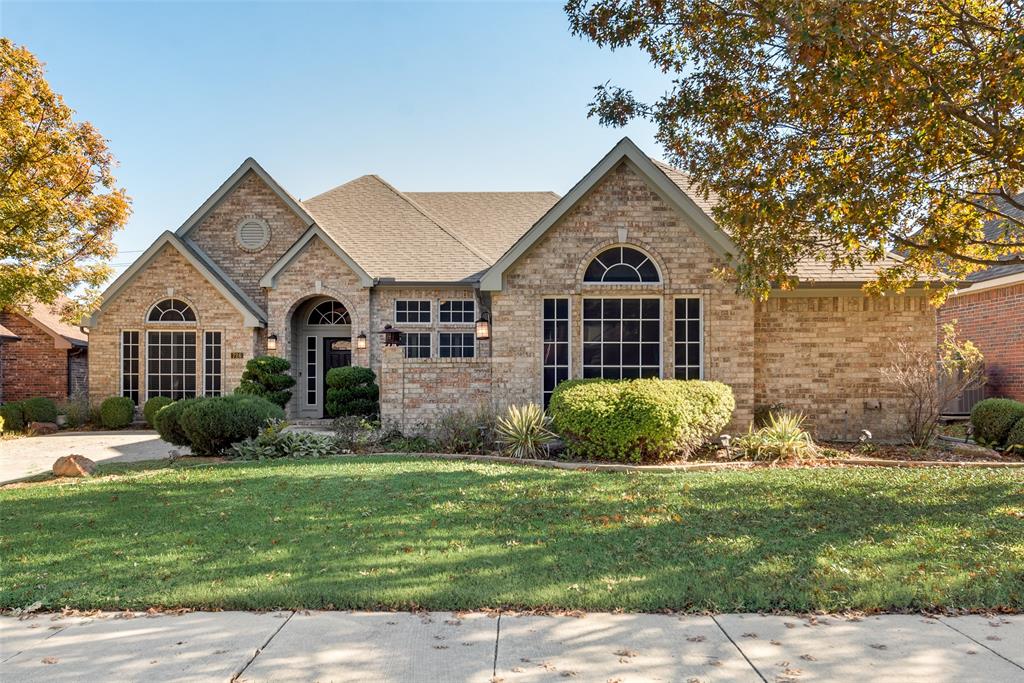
<point x="400" y="532"/>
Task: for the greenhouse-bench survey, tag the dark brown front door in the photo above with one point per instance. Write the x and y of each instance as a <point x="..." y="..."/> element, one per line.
<point x="337" y="354"/>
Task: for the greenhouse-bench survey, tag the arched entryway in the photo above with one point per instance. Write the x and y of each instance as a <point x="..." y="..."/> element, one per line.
<point x="321" y="340"/>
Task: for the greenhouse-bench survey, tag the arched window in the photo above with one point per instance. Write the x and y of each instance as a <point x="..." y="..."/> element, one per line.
<point x="329" y="313"/>
<point x="171" y="311"/>
<point x="621" y="265"/>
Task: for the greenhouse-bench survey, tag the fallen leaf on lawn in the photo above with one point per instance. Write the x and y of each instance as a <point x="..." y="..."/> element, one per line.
<point x="809" y="658"/>
<point x="879" y="646"/>
<point x="624" y="652"/>
<point x="696" y="639"/>
<point x="775" y="642"/>
<point x="49" y="660"/>
<point x="750" y="635"/>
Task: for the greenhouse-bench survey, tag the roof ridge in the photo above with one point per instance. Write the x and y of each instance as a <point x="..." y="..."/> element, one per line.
<point x="444" y="228"/>
<point x="338" y="187"/>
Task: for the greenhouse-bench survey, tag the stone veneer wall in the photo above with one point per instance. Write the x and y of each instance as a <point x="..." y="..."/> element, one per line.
<point x="822" y="356"/>
<point x="169" y="274"/>
<point x="215" y="235"/>
<point x="994" y="320"/>
<point x="554" y="267"/>
<point x="31" y="365"/>
<point x="414" y="392"/>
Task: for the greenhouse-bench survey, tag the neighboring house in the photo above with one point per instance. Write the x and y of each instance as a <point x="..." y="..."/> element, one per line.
<point x="991" y="314"/>
<point x="41" y="355"/>
<point x="615" y="279"/>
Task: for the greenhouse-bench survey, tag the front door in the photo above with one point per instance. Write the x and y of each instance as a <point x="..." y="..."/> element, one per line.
<point x="337" y="354"/>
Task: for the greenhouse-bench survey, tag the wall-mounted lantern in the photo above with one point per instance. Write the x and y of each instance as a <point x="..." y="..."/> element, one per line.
<point x="361" y="341"/>
<point x="392" y="337"/>
<point x="483" y="327"/>
<point x="272" y="343"/>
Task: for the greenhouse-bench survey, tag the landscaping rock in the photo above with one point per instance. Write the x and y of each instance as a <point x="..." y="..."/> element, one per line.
<point x="43" y="427"/>
<point x="74" y="466"/>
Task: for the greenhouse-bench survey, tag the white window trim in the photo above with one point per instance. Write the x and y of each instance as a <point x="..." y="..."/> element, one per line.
<point x="203" y="367"/>
<point x="700" y="298"/>
<point x="183" y="323"/>
<point x="461" y="323"/>
<point x="476" y="350"/>
<point x="569" y="322"/>
<point x="625" y="245"/>
<point x="430" y="344"/>
<point x="138" y="375"/>
<point x="430" y="309"/>
<point x="661" y="324"/>
<point x="316" y="370"/>
<point x="144" y="388"/>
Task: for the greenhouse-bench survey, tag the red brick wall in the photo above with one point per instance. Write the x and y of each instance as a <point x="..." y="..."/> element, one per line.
<point x="31" y="366"/>
<point x="994" y="320"/>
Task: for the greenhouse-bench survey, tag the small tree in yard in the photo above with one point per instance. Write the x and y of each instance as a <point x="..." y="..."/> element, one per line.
<point x="267" y="376"/>
<point x="927" y="385"/>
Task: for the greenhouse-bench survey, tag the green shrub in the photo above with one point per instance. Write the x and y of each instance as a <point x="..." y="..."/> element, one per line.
<point x="1" y="424"/>
<point x="466" y="431"/>
<point x="77" y="411"/>
<point x="524" y="432"/>
<point x="168" y="422"/>
<point x="14" y="417"/>
<point x="781" y="438"/>
<point x="273" y="442"/>
<point x="640" y="419"/>
<point x="213" y="424"/>
<point x="1015" y="439"/>
<point x="117" y="412"/>
<point x="39" y="410"/>
<point x="351" y="391"/>
<point x="993" y="419"/>
<point x="267" y="376"/>
<point x="153" y="406"/>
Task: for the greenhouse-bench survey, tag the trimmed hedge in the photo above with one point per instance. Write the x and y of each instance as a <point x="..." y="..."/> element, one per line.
<point x="641" y="419"/>
<point x="39" y="410"/>
<point x="14" y="416"/>
<point x="117" y="412"/>
<point x="213" y="424"/>
<point x="153" y="406"/>
<point x="267" y="376"/>
<point x="993" y="419"/>
<point x="168" y="422"/>
<point x="352" y="391"/>
<point x="1015" y="439"/>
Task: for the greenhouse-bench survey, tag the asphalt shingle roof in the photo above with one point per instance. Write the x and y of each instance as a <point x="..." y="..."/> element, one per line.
<point x="993" y="230"/>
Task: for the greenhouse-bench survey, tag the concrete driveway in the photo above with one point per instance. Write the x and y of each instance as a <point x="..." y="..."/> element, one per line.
<point x="21" y="458"/>
<point x="436" y="646"/>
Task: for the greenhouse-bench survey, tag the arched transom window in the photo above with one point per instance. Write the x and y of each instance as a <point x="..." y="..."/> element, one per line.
<point x="171" y="311"/>
<point x="329" y="313"/>
<point x="621" y="265"/>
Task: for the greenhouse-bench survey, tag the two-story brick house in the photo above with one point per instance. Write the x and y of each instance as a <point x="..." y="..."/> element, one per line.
<point x="617" y="279"/>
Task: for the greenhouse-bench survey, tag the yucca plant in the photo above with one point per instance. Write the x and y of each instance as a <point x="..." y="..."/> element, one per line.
<point x="524" y="431"/>
<point x="782" y="438"/>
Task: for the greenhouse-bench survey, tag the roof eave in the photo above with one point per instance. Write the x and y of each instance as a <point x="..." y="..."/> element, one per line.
<point x="269" y="278"/>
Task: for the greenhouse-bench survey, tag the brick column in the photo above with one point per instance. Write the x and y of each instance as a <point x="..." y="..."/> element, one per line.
<point x="392" y="386"/>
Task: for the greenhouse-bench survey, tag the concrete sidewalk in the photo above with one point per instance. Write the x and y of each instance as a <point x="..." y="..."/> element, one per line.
<point x="361" y="646"/>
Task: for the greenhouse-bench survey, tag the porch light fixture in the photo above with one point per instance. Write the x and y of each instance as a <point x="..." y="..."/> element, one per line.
<point x="483" y="327"/>
<point x="391" y="335"/>
<point x="361" y="341"/>
<point x="272" y="343"/>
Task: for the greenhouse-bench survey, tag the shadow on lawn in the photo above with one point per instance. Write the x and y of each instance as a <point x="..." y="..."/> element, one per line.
<point x="408" y="532"/>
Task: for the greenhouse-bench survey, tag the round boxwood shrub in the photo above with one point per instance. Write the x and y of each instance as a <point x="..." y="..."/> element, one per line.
<point x="14" y="416"/>
<point x="1015" y="439"/>
<point x="153" y="406"/>
<point x="352" y="391"/>
<point x="993" y="419"/>
<point x="39" y="410"/>
<point x="641" y="419"/>
<point x="213" y="424"/>
<point x="117" y="412"/>
<point x="267" y="376"/>
<point x="168" y="421"/>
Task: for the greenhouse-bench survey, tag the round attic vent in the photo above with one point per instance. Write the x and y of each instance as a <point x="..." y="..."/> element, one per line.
<point x="253" y="234"/>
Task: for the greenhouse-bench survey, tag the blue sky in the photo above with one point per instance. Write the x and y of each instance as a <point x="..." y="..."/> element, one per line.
<point x="431" y="96"/>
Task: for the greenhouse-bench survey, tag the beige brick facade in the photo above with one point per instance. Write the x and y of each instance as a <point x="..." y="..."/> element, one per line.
<point x="822" y="356"/>
<point x="414" y="392"/>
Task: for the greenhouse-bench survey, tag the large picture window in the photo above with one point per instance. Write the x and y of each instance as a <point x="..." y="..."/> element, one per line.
<point x="171" y="311"/>
<point x="689" y="337"/>
<point x="621" y="338"/>
<point x="171" y="364"/>
<point x="461" y="311"/>
<point x="417" y="344"/>
<point x="621" y="265"/>
<point x="212" y="363"/>
<point x="456" y="345"/>
<point x="556" y="345"/>
<point x="130" y="365"/>
<point x="415" y="311"/>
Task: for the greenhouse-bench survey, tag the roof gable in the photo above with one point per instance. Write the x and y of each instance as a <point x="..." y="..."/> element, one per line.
<point x="252" y="314"/>
<point x="315" y="231"/>
<point x="656" y="177"/>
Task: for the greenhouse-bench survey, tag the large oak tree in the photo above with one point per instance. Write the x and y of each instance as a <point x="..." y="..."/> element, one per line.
<point x="837" y="130"/>
<point x="59" y="204"/>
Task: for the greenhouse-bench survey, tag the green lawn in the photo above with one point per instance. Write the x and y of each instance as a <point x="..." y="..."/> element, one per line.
<point x="404" y="532"/>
